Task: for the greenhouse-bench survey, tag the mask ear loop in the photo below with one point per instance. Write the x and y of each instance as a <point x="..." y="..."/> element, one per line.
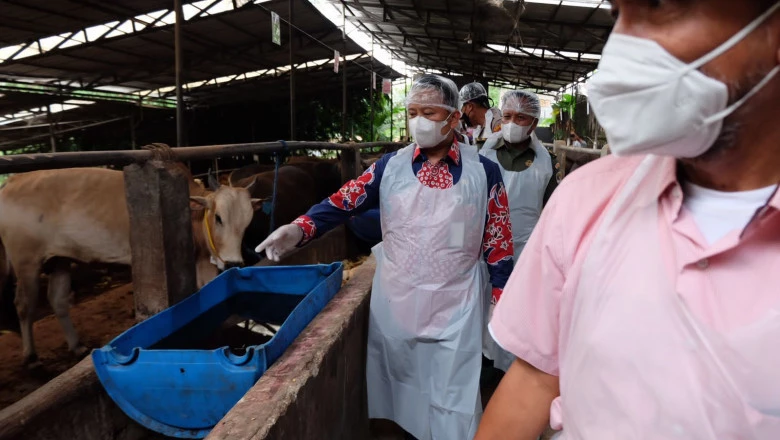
<point x="446" y="120"/>
<point x="736" y="38"/>
<point x="730" y="109"/>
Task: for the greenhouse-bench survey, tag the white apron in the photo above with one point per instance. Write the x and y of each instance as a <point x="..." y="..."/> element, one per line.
<point x="486" y="131"/>
<point x="525" y="193"/>
<point x="425" y="324"/>
<point x="639" y="364"/>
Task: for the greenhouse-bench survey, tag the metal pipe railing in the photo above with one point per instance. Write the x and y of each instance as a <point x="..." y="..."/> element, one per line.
<point x="19" y="163"/>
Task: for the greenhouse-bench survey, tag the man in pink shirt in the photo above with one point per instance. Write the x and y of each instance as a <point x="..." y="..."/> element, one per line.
<point x="646" y="304"/>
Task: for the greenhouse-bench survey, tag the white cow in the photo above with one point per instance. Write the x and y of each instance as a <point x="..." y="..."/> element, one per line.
<point x="81" y="214"/>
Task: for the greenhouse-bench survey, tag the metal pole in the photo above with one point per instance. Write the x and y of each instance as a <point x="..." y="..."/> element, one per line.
<point x="132" y="132"/>
<point x="344" y="74"/>
<point x="52" y="139"/>
<point x="406" y="119"/>
<point x="19" y="163"/>
<point x="391" y="109"/>
<point x="179" y="98"/>
<point x="373" y="84"/>
<point x="292" y="72"/>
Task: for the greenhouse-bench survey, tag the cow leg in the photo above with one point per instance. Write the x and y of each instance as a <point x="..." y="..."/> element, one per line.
<point x="59" y="288"/>
<point x="26" y="302"/>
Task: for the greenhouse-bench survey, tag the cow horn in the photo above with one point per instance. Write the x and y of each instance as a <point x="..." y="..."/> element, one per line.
<point x="249" y="187"/>
<point x="213" y="183"/>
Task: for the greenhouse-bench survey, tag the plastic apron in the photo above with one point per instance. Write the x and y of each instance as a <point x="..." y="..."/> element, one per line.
<point x="525" y="192"/>
<point x="639" y="364"/>
<point x="484" y="132"/>
<point x="423" y="359"/>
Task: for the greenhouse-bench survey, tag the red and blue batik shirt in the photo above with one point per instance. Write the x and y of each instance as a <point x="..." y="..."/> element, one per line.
<point x="362" y="194"/>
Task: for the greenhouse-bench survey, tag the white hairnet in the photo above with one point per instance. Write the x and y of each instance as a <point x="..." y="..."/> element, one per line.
<point x="523" y="102"/>
<point x="434" y="90"/>
<point x="472" y="91"/>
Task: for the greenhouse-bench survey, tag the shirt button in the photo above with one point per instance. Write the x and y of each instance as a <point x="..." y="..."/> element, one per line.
<point x="703" y="263"/>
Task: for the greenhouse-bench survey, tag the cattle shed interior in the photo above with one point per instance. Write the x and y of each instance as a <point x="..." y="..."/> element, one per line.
<point x="93" y="75"/>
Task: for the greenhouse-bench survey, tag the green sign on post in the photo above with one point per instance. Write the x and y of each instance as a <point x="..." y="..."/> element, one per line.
<point x="276" y="30"/>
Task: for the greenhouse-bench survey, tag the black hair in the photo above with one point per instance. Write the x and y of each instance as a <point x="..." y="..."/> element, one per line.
<point x="481" y="101"/>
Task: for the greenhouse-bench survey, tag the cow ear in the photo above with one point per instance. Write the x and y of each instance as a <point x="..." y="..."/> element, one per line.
<point x="258" y="203"/>
<point x="198" y="203"/>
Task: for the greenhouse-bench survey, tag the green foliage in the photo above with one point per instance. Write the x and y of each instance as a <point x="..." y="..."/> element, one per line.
<point x="566" y="105"/>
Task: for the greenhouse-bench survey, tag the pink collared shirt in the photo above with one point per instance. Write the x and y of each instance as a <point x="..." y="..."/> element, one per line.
<point x="728" y="285"/>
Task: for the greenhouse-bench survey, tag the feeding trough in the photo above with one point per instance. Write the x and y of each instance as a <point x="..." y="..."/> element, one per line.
<point x="179" y="372"/>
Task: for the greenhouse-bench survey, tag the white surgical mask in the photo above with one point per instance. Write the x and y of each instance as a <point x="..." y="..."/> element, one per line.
<point x="514" y="133"/>
<point x="427" y="133"/>
<point x="650" y="102"/>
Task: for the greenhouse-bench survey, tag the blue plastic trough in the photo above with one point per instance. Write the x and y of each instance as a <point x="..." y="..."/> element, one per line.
<point x="178" y="374"/>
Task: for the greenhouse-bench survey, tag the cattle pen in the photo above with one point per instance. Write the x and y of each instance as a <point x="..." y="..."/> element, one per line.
<point x="292" y="399"/>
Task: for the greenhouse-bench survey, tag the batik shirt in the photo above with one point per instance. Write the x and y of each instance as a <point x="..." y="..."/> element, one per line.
<point x="362" y="194"/>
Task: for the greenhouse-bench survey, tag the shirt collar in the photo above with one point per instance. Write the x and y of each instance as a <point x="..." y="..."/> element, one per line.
<point x="453" y="155"/>
<point x="667" y="184"/>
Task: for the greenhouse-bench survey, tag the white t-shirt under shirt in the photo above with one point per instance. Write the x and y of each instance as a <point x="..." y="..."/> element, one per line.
<point x="717" y="213"/>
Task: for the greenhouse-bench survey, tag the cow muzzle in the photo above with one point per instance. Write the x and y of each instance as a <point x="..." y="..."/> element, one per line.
<point x="232" y="264"/>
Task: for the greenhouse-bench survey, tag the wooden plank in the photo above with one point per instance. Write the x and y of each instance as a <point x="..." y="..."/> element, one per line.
<point x="350" y="164"/>
<point x="577" y="150"/>
<point x="160" y="236"/>
<point x="73" y="405"/>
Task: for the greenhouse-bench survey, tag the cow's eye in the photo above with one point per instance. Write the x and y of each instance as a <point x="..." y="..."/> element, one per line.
<point x="218" y="219"/>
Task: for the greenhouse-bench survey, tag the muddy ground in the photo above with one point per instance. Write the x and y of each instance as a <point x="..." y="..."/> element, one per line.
<point x="103" y="309"/>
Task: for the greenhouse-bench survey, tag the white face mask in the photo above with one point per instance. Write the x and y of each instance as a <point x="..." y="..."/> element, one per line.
<point x="650" y="102"/>
<point x="427" y="133"/>
<point x="514" y="133"/>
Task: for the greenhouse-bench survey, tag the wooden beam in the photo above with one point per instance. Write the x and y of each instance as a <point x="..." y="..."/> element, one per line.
<point x="160" y="236"/>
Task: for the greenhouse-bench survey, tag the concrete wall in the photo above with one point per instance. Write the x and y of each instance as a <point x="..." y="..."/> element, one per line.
<point x="316" y="390"/>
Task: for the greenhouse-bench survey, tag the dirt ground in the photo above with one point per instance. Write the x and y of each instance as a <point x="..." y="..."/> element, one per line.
<point x="103" y="310"/>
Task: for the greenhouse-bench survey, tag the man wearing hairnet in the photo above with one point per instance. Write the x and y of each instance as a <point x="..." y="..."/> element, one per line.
<point x="445" y="234"/>
<point x="646" y="304"/>
<point x="529" y="176"/>
<point x="477" y="114"/>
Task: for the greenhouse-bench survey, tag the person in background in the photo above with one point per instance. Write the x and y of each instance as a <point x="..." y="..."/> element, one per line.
<point x="477" y="114"/>
<point x="576" y="140"/>
<point x="529" y="176"/>
<point x="646" y="304"/>
<point x="446" y="232"/>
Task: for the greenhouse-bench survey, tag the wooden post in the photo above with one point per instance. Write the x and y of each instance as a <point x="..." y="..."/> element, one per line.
<point x="160" y="236"/>
<point x="350" y="164"/>
<point x="559" y="150"/>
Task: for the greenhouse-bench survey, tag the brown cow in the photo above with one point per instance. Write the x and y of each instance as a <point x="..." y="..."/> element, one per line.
<point x="296" y="192"/>
<point x="248" y="171"/>
<point x="55" y="216"/>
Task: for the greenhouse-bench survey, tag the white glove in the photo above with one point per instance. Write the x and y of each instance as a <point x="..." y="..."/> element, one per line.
<point x="281" y="242"/>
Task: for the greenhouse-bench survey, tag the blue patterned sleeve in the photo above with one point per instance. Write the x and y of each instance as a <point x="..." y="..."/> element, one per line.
<point x="355" y="197"/>
<point x="497" y="247"/>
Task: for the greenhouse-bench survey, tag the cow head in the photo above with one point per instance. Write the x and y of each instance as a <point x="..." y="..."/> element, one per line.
<point x="227" y="213"/>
